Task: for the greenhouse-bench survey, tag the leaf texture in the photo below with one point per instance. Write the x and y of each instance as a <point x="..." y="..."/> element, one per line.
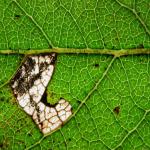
<point x="109" y="95"/>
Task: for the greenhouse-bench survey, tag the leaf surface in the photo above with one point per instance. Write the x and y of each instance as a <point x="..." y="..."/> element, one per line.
<point x="109" y="95"/>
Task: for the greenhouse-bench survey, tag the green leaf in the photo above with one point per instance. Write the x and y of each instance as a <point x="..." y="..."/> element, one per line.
<point x="109" y="94"/>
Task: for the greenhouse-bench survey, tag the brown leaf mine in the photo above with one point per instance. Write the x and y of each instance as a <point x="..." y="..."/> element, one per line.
<point x="29" y="85"/>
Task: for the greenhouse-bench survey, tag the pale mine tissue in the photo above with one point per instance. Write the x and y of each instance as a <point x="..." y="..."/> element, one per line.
<point x="29" y="85"/>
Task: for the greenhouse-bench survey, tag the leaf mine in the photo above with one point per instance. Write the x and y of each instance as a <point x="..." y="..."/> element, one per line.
<point x="29" y="87"/>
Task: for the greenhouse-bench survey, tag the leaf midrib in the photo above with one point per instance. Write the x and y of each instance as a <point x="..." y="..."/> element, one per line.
<point x="116" y="53"/>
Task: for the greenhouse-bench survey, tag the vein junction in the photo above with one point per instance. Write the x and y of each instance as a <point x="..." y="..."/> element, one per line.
<point x="29" y="85"/>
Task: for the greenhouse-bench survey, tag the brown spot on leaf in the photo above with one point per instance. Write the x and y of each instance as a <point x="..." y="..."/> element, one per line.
<point x="140" y="46"/>
<point x="43" y="66"/>
<point x="96" y="65"/>
<point x="53" y="60"/>
<point x="17" y="16"/>
<point x="4" y="144"/>
<point x="45" y="101"/>
<point x="117" y="110"/>
<point x="44" y="98"/>
<point x="78" y="101"/>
